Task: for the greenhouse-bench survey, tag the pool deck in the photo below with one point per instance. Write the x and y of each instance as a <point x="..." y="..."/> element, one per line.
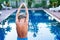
<point x="6" y="13"/>
<point x="56" y="14"/>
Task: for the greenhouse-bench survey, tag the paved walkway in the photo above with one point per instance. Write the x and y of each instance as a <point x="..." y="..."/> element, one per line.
<point x="6" y="13"/>
<point x="55" y="14"/>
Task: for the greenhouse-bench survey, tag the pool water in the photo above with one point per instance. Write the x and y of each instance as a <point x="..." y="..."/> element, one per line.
<point x="41" y="27"/>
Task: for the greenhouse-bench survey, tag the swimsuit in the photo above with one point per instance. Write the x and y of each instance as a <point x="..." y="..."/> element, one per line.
<point x="22" y="38"/>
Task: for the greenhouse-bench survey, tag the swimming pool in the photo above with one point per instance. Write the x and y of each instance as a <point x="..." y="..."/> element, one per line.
<point x="41" y="27"/>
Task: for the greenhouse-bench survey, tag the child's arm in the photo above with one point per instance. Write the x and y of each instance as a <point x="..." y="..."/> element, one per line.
<point x="27" y="14"/>
<point x="18" y="12"/>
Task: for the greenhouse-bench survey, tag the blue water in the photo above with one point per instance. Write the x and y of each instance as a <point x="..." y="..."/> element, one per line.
<point x="41" y="27"/>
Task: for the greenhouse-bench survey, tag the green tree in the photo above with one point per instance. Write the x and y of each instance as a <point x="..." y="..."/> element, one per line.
<point x="58" y="2"/>
<point x="43" y="4"/>
<point x="1" y="1"/>
<point x="53" y="3"/>
<point x="30" y="3"/>
<point x="37" y="5"/>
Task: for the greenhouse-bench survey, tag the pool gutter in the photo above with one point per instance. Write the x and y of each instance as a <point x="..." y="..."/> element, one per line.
<point x="54" y="16"/>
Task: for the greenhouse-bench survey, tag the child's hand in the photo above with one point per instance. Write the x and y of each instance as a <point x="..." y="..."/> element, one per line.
<point x="23" y="4"/>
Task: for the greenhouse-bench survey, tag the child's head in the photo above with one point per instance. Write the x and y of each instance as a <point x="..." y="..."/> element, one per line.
<point x="21" y="18"/>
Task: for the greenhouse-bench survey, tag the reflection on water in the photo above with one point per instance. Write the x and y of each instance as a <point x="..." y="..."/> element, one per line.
<point x="55" y="29"/>
<point x="3" y="30"/>
<point x="41" y="27"/>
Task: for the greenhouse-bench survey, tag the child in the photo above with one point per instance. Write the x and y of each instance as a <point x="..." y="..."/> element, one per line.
<point x="22" y="23"/>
